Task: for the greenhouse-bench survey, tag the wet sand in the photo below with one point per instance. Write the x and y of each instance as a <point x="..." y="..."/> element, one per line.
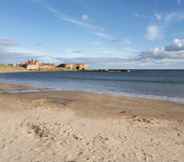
<point x="68" y="126"/>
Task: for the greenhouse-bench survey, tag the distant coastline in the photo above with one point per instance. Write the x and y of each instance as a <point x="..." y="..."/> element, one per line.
<point x="9" y="68"/>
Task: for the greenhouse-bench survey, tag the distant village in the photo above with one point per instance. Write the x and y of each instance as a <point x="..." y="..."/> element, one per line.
<point x="35" y="65"/>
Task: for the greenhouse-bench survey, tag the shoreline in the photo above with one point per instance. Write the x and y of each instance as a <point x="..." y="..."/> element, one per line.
<point x="26" y="89"/>
<point x="23" y="88"/>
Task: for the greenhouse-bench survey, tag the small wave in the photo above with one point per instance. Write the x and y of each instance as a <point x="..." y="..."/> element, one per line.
<point x="153" y="97"/>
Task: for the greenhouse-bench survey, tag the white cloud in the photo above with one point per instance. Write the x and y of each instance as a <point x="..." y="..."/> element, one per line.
<point x="5" y="42"/>
<point x="162" y="23"/>
<point x="172" y="52"/>
<point x="10" y="52"/>
<point x="104" y="35"/>
<point x="138" y="15"/>
<point x="177" y="45"/>
<point x="84" y="17"/>
<point x="170" y="17"/>
<point x="171" y="56"/>
<point x="153" y="33"/>
<point x="178" y="42"/>
<point x="72" y="20"/>
<point x="158" y="17"/>
<point x="99" y="31"/>
<point x="173" y="17"/>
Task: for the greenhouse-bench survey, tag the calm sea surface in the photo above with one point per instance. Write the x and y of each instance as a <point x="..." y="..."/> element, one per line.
<point x="159" y="84"/>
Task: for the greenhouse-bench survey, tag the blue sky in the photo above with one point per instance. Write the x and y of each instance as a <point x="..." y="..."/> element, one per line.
<point x="102" y="33"/>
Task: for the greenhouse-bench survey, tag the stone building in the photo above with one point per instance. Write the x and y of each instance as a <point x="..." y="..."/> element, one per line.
<point x="36" y="65"/>
<point x="74" y="66"/>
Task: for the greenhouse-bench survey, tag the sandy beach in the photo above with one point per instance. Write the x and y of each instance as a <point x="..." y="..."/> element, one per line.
<point x="68" y="126"/>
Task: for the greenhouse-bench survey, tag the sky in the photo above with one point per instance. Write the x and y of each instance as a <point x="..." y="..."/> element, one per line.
<point x="142" y="34"/>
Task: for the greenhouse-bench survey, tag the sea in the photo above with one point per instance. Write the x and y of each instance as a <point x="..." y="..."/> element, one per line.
<point x="155" y="84"/>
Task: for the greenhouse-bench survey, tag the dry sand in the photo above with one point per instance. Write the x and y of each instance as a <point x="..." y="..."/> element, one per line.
<point x="79" y="127"/>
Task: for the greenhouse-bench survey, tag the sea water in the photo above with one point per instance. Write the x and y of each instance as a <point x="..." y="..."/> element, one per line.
<point x="155" y="84"/>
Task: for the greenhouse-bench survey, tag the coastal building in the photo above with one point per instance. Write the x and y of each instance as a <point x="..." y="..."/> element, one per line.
<point x="32" y="67"/>
<point x="66" y="66"/>
<point x="47" y="67"/>
<point x="74" y="66"/>
<point x="30" y="64"/>
<point x="36" y="65"/>
<point x="81" y="66"/>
